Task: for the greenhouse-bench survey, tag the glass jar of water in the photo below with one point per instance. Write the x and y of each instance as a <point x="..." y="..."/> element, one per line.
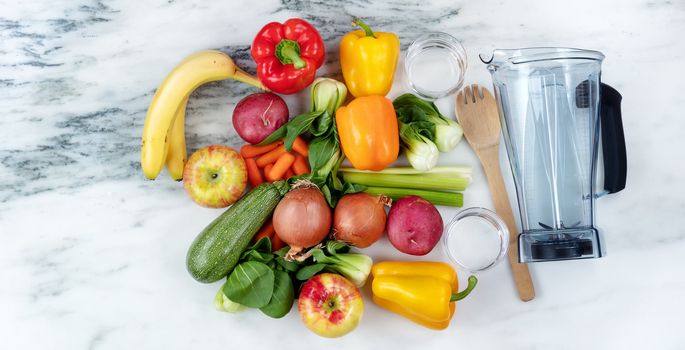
<point x="435" y="65"/>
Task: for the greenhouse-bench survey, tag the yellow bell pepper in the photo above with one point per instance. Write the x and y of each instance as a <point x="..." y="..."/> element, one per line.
<point x="422" y="291"/>
<point x="368" y="60"/>
<point x="368" y="132"/>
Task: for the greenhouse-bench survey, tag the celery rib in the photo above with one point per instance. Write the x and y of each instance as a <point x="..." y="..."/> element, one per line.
<point x="462" y="170"/>
<point x="433" y="182"/>
<point x="436" y="197"/>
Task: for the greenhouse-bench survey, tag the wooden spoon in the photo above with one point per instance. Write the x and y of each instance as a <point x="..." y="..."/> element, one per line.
<point x="478" y="116"/>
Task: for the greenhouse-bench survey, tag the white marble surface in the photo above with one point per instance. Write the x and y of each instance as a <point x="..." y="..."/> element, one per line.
<point x="92" y="256"/>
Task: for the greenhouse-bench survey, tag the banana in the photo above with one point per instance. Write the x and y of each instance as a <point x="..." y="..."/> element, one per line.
<point x="176" y="155"/>
<point x="197" y="69"/>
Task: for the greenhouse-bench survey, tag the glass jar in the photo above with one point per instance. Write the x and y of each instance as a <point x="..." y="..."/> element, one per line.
<point x="435" y="65"/>
<point x="476" y="239"/>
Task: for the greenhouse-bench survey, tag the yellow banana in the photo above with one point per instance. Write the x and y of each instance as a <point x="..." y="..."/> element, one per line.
<point x="176" y="155"/>
<point x="195" y="70"/>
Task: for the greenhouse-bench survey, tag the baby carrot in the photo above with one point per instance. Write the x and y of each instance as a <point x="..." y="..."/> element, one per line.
<point x="276" y="243"/>
<point x="301" y="147"/>
<point x="270" y="157"/>
<point x="280" y="167"/>
<point x="253" y="174"/>
<point x="288" y="173"/>
<point x="251" y="151"/>
<point x="267" y="168"/>
<point x="300" y="166"/>
<point x="267" y="230"/>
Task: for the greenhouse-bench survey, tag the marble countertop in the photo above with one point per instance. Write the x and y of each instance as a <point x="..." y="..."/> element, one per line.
<point x="92" y="255"/>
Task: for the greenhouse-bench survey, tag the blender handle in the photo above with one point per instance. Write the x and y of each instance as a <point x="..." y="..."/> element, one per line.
<point x="613" y="140"/>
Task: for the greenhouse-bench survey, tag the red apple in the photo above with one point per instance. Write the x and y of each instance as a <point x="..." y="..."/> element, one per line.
<point x="215" y="176"/>
<point x="330" y="305"/>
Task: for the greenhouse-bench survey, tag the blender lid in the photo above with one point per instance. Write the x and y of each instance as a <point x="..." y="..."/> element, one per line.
<point x="533" y="54"/>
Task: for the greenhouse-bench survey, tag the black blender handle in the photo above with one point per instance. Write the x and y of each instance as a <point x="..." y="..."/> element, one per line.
<point x="613" y="140"/>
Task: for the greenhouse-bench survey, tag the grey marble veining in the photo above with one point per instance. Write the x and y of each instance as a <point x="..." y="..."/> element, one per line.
<point x="92" y="255"/>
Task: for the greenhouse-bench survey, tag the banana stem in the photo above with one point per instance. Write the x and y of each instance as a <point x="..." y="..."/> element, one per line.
<point x="247" y="78"/>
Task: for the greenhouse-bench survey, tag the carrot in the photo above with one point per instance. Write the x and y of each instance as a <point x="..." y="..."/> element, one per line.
<point x="270" y="157"/>
<point x="301" y="147"/>
<point x="300" y="166"/>
<point x="288" y="173"/>
<point x="276" y="243"/>
<point x="267" y="169"/>
<point x="280" y="167"/>
<point x="253" y="174"/>
<point x="267" y="230"/>
<point x="251" y="151"/>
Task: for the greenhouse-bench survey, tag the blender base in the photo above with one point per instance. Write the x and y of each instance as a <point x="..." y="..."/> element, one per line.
<point x="564" y="244"/>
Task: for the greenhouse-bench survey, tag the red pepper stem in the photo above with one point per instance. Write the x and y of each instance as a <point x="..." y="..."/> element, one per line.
<point x="362" y="25"/>
<point x="288" y="51"/>
<point x="461" y="295"/>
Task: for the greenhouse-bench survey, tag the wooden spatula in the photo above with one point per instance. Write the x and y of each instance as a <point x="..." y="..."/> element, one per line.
<point x="477" y="114"/>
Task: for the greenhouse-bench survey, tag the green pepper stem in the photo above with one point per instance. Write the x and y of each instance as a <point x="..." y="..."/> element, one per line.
<point x="288" y="51"/>
<point x="362" y="25"/>
<point x="461" y="295"/>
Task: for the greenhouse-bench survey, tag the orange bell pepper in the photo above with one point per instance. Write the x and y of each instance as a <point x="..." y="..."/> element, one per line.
<point x="368" y="132"/>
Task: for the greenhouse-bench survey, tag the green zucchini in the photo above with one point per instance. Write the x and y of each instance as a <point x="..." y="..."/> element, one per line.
<point x="216" y="250"/>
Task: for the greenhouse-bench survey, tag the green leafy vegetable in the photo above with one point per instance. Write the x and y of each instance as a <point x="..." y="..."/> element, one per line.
<point x="444" y="132"/>
<point x="420" y="150"/>
<point x="251" y="283"/>
<point x="308" y="272"/>
<point x="223" y="303"/>
<point x="283" y="296"/>
<point x="335" y="258"/>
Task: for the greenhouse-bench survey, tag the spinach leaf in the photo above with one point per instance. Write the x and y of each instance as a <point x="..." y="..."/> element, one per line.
<point x="275" y="136"/>
<point x="290" y="266"/>
<point x="308" y="272"/>
<point x="255" y="255"/>
<point x="282" y="252"/>
<point x="349" y="187"/>
<point x="297" y="126"/>
<point x="322" y="124"/>
<point x="262" y="245"/>
<point x="260" y="251"/>
<point x="324" y="152"/>
<point x="282" y="298"/>
<point x="251" y="283"/>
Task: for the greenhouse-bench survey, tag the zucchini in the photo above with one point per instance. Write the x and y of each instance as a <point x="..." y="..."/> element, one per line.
<point x="216" y="250"/>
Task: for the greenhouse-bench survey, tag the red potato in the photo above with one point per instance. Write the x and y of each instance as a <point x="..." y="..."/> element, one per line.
<point x="258" y="115"/>
<point x="414" y="225"/>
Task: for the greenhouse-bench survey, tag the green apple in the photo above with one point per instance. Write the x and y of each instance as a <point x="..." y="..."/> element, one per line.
<point x="330" y="305"/>
<point x="215" y="176"/>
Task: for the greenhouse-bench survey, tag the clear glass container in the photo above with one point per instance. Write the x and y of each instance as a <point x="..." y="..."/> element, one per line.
<point x="435" y="65"/>
<point x="476" y="239"/>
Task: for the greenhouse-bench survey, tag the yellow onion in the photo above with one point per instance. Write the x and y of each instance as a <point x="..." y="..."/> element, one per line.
<point x="359" y="219"/>
<point x="302" y="218"/>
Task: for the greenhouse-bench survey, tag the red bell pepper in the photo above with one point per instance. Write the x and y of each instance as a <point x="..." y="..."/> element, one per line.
<point x="287" y="55"/>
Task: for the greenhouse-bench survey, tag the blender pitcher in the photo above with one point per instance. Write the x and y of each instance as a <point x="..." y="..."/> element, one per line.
<point x="553" y="107"/>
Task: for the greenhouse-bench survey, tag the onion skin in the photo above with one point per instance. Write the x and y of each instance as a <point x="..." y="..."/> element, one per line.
<point x="302" y="218"/>
<point x="359" y="219"/>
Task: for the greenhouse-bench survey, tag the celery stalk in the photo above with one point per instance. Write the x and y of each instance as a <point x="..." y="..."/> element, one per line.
<point x="436" y="197"/>
<point x="432" y="182"/>
<point x="462" y="171"/>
